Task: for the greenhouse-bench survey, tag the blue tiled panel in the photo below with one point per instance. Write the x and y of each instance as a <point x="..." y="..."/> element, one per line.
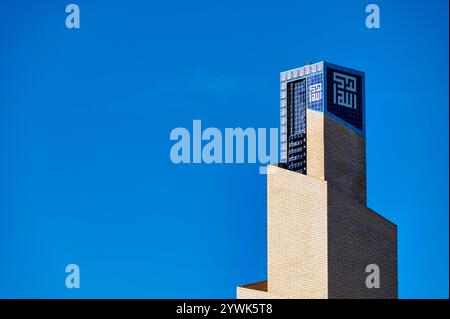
<point x="344" y="98"/>
<point x="314" y="97"/>
<point x="297" y="117"/>
<point x="321" y="95"/>
<point x="315" y="90"/>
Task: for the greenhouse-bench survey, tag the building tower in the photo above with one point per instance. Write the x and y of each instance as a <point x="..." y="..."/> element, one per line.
<point x="322" y="241"/>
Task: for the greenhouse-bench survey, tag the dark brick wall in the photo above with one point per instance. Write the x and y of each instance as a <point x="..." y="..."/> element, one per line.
<point x="344" y="159"/>
<point x="357" y="237"/>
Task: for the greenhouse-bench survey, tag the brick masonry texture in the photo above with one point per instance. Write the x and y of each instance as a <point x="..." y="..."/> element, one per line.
<point x="315" y="166"/>
<point x="297" y="235"/>
<point x="345" y="159"/>
<point x="321" y="236"/>
<point x="256" y="290"/>
<point x="335" y="153"/>
<point x="357" y="237"/>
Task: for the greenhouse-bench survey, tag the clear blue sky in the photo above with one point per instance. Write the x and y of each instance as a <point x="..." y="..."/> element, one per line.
<point x="85" y="117"/>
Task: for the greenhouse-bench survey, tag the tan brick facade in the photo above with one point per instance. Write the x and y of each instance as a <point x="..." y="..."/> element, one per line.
<point x="315" y="152"/>
<point x="321" y="236"/>
<point x="336" y="154"/>
<point x="296" y="226"/>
